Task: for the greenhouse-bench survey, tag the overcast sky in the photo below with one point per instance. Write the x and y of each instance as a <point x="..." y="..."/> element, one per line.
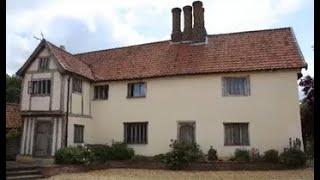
<point x="96" y="24"/>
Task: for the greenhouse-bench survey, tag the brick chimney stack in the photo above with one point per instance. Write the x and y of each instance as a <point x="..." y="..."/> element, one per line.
<point x="187" y="31"/>
<point x="199" y="32"/>
<point x="176" y="35"/>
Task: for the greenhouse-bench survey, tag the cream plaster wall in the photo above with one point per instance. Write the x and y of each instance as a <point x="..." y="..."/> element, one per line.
<point x="272" y="111"/>
<point x="42" y="103"/>
<point x="89" y="131"/>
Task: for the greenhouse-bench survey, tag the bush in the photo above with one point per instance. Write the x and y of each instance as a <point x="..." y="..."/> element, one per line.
<point x="74" y="155"/>
<point x="310" y="148"/>
<point x="212" y="154"/>
<point x="293" y="158"/>
<point x="271" y="156"/>
<point x="120" y="151"/>
<point x="255" y="154"/>
<point x="181" y="154"/>
<point x="12" y="134"/>
<point x="101" y="153"/>
<point x="141" y="158"/>
<point x="241" y="155"/>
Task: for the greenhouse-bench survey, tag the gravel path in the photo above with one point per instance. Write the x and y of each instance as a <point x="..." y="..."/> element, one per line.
<point x="135" y="174"/>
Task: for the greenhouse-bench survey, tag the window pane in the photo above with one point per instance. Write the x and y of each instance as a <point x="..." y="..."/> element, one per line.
<point x="135" y="133"/>
<point x="142" y="89"/>
<point x="136" y="90"/>
<point x="236" y="134"/>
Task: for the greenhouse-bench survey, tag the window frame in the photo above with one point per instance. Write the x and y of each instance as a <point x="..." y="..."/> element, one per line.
<point x="41" y="62"/>
<point x="98" y="98"/>
<point x="125" y="138"/>
<point x="74" y="89"/>
<point x="192" y="123"/>
<point x="226" y="94"/>
<point x="37" y="86"/>
<point x="239" y="123"/>
<point x="75" y="138"/>
<point x="130" y="90"/>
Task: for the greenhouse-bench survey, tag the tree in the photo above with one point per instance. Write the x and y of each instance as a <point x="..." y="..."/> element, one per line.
<point x="307" y="109"/>
<point x="13" y="88"/>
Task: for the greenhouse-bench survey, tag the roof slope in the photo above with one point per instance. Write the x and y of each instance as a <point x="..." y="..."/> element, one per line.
<point x="13" y="117"/>
<point x="234" y="52"/>
<point x="244" y="51"/>
<point x="69" y="62"/>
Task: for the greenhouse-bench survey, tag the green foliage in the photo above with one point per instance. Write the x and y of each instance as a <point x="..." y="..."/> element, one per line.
<point x="101" y="152"/>
<point x="310" y="148"/>
<point x="141" y="158"/>
<point x="241" y="155"/>
<point x="12" y="134"/>
<point x="120" y="151"/>
<point x="212" y="154"/>
<point x="271" y="156"/>
<point x="293" y="158"/>
<point x="181" y="154"/>
<point x="255" y="154"/>
<point x="74" y="155"/>
<point x="13" y="87"/>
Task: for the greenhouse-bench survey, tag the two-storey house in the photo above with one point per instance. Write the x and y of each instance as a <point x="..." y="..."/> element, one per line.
<point x="223" y="90"/>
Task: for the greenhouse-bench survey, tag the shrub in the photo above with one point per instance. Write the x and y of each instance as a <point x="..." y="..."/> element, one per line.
<point x="310" y="148"/>
<point x="141" y="158"/>
<point x="12" y="134"/>
<point x="241" y="155"/>
<point x="212" y="154"/>
<point x="271" y="156"/>
<point x="74" y="155"/>
<point x="120" y="151"/>
<point x="255" y="154"/>
<point x="181" y="154"/>
<point x="293" y="158"/>
<point x="158" y="157"/>
<point x="101" y="152"/>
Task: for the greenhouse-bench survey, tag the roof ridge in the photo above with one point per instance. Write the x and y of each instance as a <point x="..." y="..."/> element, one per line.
<point x="135" y="45"/>
<point x="122" y="47"/>
<point x="251" y="31"/>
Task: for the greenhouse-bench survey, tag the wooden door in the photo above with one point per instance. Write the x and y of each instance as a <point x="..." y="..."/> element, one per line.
<point x="42" y="143"/>
<point x="187" y="132"/>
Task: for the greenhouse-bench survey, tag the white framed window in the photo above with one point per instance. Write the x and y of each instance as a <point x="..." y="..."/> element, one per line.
<point x="236" y="86"/>
<point x="136" y="132"/>
<point x="101" y="92"/>
<point x="236" y="134"/>
<point x="39" y="87"/>
<point x="43" y="63"/>
<point x="136" y="90"/>
<point x="77" y="85"/>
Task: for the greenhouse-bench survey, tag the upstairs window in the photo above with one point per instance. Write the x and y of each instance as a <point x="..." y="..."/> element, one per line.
<point x="236" y="134"/>
<point x="136" y="90"/>
<point x="136" y="133"/>
<point x="44" y="63"/>
<point x="101" y="92"/>
<point x="39" y="87"/>
<point x="78" y="133"/>
<point x="236" y="86"/>
<point x="76" y="85"/>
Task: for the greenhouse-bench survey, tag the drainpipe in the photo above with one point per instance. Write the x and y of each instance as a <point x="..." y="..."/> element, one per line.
<point x="67" y="113"/>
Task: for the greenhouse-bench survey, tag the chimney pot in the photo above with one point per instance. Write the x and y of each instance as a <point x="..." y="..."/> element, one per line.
<point x="62" y="47"/>
<point x="187" y="31"/>
<point x="199" y="32"/>
<point x="176" y="35"/>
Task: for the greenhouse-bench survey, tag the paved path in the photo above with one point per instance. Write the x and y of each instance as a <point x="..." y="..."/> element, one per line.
<point x="135" y="174"/>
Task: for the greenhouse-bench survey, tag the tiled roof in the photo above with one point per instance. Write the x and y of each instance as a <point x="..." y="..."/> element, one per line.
<point x="233" y="52"/>
<point x="70" y="62"/>
<point x="13" y="117"/>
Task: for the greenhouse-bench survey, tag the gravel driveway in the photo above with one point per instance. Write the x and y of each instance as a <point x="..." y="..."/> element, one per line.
<point x="135" y="174"/>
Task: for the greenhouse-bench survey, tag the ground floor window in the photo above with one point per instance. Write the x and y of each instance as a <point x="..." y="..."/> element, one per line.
<point x="78" y="133"/>
<point x="236" y="134"/>
<point x="136" y="133"/>
<point x="186" y="132"/>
